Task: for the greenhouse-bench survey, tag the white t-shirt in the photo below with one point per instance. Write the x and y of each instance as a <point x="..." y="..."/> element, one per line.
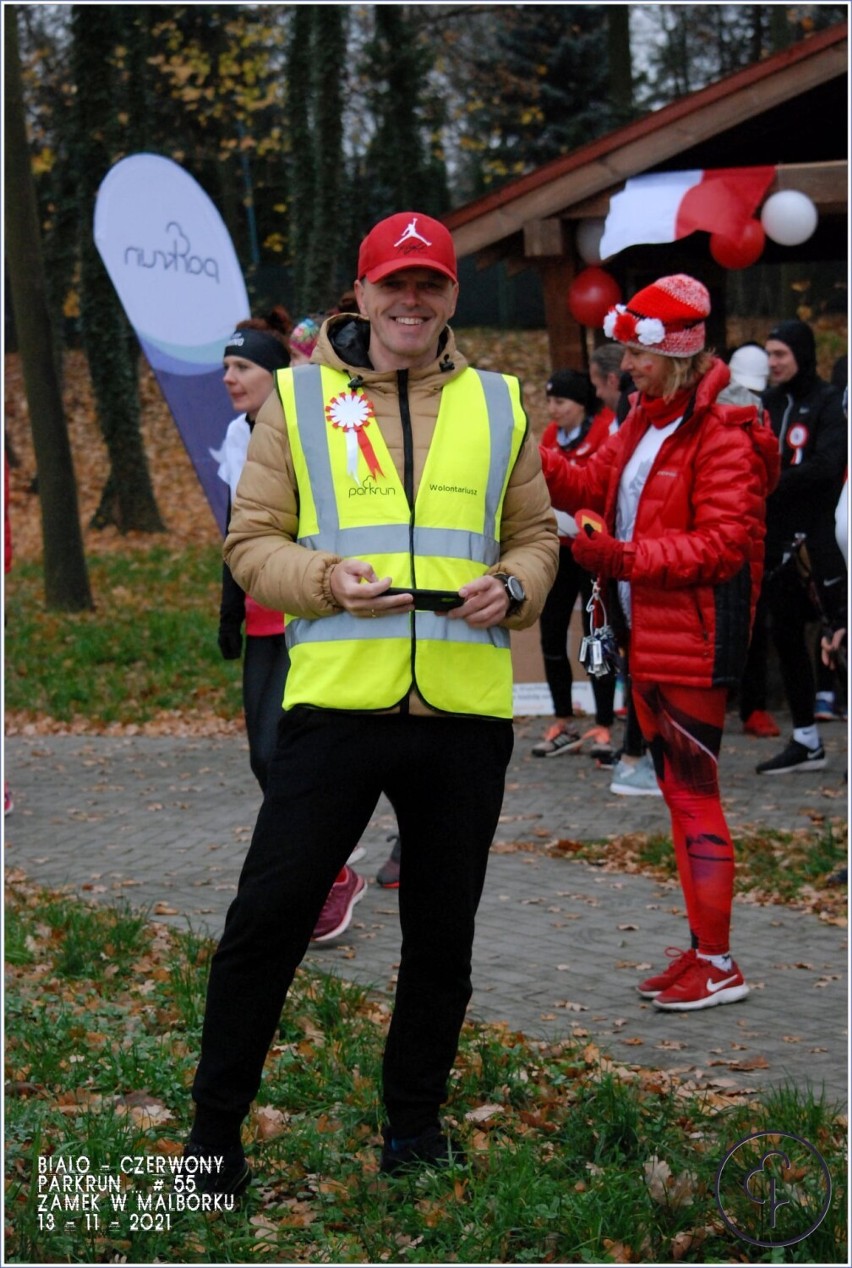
<point x="630" y="488"/>
<point x="232" y="455"/>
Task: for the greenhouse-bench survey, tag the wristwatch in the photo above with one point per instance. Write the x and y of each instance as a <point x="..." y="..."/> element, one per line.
<point x="514" y="589"/>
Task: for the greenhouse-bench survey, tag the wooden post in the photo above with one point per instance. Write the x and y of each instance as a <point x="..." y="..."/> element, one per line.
<point x="565" y="335"/>
<point x="547" y="246"/>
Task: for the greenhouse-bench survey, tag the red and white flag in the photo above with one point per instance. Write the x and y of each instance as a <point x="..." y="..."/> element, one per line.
<point x="665" y="206"/>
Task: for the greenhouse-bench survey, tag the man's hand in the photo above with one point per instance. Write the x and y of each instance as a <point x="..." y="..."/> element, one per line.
<point x="356" y="588"/>
<point x="485" y="603"/>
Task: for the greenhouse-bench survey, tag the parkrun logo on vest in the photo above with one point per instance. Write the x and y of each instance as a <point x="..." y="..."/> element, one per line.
<point x="179" y="257"/>
<point x="370" y="488"/>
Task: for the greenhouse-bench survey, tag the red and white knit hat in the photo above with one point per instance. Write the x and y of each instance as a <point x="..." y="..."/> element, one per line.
<point x="666" y="317"/>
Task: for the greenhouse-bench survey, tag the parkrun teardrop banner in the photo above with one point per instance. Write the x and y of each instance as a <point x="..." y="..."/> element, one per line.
<point x="173" y="264"/>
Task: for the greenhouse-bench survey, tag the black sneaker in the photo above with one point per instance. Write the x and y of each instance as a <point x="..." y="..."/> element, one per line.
<point x="226" y="1173"/>
<point x="430" y="1149"/>
<point x="795" y="756"/>
<point x="388" y="874"/>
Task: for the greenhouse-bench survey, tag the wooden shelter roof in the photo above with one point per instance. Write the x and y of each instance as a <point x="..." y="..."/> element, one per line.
<point x="789" y="111"/>
<point x="720" y="118"/>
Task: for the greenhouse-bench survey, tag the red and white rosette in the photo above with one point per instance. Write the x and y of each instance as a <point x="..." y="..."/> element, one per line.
<point x="352" y="412"/>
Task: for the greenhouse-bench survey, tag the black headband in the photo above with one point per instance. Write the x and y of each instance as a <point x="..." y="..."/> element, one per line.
<point x="258" y="347"/>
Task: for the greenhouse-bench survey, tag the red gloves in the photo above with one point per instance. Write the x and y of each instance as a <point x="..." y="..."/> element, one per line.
<point x="598" y="552"/>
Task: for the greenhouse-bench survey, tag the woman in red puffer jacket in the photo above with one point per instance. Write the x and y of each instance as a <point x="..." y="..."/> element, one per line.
<point x="678" y="500"/>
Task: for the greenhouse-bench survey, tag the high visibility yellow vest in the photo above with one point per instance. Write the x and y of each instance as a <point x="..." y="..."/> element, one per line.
<point x="453" y="535"/>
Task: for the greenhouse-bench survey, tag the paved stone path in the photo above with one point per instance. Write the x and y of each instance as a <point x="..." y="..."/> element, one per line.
<point x="560" y="944"/>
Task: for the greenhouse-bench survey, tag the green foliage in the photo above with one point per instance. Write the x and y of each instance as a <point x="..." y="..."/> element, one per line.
<point x="297" y="119"/>
<point x="149" y="647"/>
<point x="316" y="61"/>
<point x="302" y="171"/>
<point x="403" y="168"/>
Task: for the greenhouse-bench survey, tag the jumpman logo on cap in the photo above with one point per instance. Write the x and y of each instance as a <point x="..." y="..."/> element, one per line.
<point x="411" y="231"/>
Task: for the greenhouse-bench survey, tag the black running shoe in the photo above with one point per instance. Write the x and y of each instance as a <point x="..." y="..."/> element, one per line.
<point x="795" y="757"/>
<point x="430" y="1149"/>
<point x="226" y="1173"/>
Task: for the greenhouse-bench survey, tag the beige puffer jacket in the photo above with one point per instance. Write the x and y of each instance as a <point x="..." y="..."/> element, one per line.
<point x="260" y="548"/>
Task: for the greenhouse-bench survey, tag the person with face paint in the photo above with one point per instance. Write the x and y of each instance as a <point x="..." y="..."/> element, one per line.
<point x="672" y="509"/>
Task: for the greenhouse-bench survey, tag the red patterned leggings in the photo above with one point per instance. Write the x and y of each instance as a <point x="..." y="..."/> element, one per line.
<point x="683" y="726"/>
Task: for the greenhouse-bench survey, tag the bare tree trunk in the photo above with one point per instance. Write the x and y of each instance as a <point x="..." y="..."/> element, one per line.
<point x="66" y="580"/>
<point x="620" y="61"/>
<point x="128" y="500"/>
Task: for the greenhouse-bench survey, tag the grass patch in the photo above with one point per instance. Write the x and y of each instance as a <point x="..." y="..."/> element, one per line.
<point x="148" y="648"/>
<point x="574" y="1158"/>
<point x="771" y="866"/>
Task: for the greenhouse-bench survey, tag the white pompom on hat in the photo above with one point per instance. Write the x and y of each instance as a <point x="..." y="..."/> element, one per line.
<point x="666" y="317"/>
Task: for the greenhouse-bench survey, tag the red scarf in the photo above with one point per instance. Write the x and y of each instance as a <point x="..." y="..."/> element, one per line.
<point x="657" y="411"/>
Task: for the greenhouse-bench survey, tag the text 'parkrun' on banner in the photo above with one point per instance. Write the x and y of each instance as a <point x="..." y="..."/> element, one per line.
<point x="170" y="257"/>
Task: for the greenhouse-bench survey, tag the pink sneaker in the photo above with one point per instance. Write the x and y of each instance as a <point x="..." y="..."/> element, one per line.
<point x="336" y="914"/>
<point x="8" y="803"/>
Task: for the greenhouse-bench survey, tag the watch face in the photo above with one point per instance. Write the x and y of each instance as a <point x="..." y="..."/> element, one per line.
<point x="516" y="590"/>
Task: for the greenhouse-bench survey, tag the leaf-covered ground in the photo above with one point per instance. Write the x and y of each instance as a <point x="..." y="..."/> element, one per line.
<point x="574" y="1156"/>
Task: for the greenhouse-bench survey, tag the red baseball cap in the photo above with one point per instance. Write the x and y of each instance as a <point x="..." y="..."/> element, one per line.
<point x="407" y="240"/>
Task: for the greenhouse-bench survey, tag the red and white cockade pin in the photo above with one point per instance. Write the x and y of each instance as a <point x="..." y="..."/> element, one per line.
<point x="352" y="412"/>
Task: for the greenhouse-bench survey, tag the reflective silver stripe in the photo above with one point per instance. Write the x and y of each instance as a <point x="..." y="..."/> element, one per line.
<point x="456" y="543"/>
<point x="501" y="420"/>
<point x="427" y="625"/>
<point x="310" y="415"/>
<point x="342" y="626"/>
<point x="436" y="628"/>
<point x="382" y="539"/>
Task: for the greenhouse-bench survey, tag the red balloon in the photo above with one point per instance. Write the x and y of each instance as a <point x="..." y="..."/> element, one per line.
<point x="591" y="295"/>
<point x="739" y="253"/>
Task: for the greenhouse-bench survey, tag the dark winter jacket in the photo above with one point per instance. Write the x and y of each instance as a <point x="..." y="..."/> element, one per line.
<point x="698" y="535"/>
<point x="806" y="415"/>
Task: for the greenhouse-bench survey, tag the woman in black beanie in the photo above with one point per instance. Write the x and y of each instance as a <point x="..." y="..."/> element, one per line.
<point x="576" y="431"/>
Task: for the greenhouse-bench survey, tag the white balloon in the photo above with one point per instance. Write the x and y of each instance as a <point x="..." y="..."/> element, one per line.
<point x="589" y="234"/>
<point x="789" y="217"/>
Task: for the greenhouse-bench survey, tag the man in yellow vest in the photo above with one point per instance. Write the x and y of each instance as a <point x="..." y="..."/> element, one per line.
<point x="392" y="504"/>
